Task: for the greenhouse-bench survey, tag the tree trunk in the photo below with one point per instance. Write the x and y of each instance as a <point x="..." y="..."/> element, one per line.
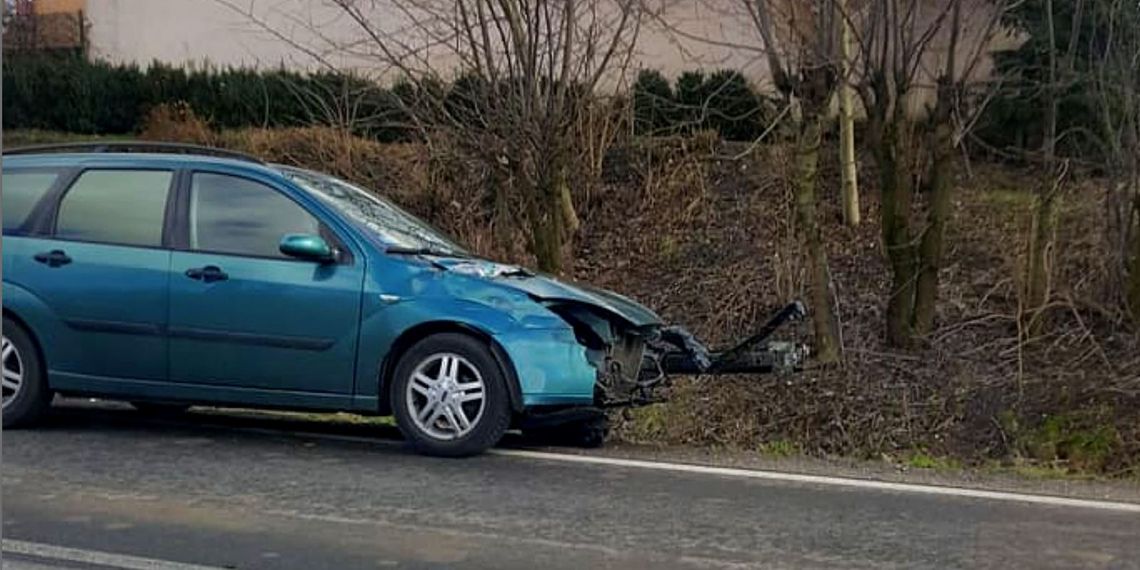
<point x="850" y="180"/>
<point x="1037" y="281"/>
<point x="931" y="247"/>
<point x="891" y="151"/>
<point x="1134" y="269"/>
<point x="501" y="187"/>
<point x="1131" y="225"/>
<point x="807" y="169"/>
<point x="547" y="217"/>
<point x="566" y="202"/>
<point x="1039" y="278"/>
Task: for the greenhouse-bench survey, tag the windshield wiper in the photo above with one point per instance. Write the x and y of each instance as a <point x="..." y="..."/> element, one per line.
<point x="517" y="272"/>
<point x="402" y="250"/>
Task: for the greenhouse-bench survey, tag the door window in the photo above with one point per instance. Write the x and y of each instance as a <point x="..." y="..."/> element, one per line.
<point x="22" y="191"/>
<point x="239" y="216"/>
<point x="115" y="206"/>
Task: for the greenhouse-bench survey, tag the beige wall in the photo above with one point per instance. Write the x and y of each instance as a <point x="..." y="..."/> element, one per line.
<point x="700" y="33"/>
<point x="201" y="32"/>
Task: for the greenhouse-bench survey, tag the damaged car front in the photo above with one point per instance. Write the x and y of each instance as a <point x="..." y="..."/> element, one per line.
<point x="568" y="351"/>
<point x="630" y="351"/>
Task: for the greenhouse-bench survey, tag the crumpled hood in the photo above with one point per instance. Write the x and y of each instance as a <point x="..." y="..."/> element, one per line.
<point x="547" y="288"/>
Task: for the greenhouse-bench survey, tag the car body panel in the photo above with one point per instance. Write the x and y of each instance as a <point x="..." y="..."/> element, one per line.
<point x="271" y="324"/>
<point x="548" y="288"/>
<point x="407" y="293"/>
<point x="551" y="365"/>
<point x="37" y="316"/>
<point x="107" y="307"/>
<point x="136" y="389"/>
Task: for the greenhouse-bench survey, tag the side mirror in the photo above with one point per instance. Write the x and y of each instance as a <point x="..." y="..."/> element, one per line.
<point x="307" y="246"/>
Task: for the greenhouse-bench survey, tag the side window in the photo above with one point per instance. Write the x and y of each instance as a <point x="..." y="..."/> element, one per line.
<point x="22" y="190"/>
<point x="239" y="216"/>
<point x="115" y="206"/>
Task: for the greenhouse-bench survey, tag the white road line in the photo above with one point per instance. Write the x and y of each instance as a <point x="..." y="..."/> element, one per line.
<point x="826" y="480"/>
<point x="851" y="482"/>
<point x="80" y="556"/>
<point x="16" y="564"/>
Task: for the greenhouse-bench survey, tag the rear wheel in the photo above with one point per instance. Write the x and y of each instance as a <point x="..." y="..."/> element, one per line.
<point x="25" y="393"/>
<point x="449" y="396"/>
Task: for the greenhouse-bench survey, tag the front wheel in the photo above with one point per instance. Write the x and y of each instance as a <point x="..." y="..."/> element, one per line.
<point x="450" y="397"/>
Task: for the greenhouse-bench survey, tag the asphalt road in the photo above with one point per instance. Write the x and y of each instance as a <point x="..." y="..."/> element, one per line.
<point x="104" y="489"/>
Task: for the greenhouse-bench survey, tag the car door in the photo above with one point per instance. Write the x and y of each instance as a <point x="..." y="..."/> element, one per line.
<point x="100" y="265"/>
<point x="244" y="315"/>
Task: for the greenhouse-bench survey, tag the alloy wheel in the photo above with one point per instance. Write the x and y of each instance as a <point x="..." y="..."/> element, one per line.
<point x="446" y="396"/>
<point x="13" y="371"/>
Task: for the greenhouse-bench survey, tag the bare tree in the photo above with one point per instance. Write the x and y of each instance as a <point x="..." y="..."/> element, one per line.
<point x="800" y="43"/>
<point x="1090" y="52"/>
<point x="1115" y="61"/>
<point x="848" y="164"/>
<point x="905" y="46"/>
<point x="526" y="73"/>
<point x="1059" y="73"/>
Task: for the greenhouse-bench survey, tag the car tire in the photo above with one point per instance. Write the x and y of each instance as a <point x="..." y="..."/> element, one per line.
<point x="159" y="408"/>
<point x="30" y="399"/>
<point x="427" y="400"/>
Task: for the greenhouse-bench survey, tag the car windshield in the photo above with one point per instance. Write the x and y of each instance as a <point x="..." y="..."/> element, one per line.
<point x="394" y="226"/>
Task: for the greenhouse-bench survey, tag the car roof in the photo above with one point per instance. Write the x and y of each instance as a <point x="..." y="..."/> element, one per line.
<point x="133" y="153"/>
<point x="131" y="159"/>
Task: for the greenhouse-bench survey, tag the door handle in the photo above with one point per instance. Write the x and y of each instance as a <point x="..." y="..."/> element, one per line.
<point x="53" y="258"/>
<point x="209" y="273"/>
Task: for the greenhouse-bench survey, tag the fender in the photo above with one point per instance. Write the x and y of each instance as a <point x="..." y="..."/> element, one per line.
<point x="385" y="330"/>
<point x="45" y="326"/>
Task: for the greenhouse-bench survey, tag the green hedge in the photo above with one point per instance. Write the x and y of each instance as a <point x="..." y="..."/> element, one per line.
<point x="72" y="94"/>
<point x="723" y="101"/>
<point x="75" y="95"/>
<point x="1014" y="121"/>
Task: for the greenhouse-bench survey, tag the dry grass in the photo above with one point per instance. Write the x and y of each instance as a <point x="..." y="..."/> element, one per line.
<point x="177" y="122"/>
<point x="1077" y="387"/>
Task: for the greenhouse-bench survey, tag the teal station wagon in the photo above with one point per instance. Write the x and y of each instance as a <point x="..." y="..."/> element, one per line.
<point x="171" y="275"/>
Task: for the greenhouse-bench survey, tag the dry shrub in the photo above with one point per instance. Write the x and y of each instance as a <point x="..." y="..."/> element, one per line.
<point x="437" y="182"/>
<point x="394" y="169"/>
<point x="732" y="259"/>
<point x="176" y="122"/>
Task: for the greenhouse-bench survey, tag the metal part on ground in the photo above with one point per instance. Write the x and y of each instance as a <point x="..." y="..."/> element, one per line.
<point x="673" y="350"/>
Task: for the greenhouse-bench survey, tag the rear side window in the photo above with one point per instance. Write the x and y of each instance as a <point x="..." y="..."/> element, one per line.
<point x="115" y="206"/>
<point x="22" y="190"/>
<point x="239" y="216"/>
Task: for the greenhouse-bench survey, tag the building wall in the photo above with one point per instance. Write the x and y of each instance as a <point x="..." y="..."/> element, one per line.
<point x="687" y="34"/>
<point x="45" y="25"/>
<point x="59" y="6"/>
<point x="201" y="32"/>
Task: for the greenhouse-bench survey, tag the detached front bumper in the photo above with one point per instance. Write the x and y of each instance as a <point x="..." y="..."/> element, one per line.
<point x="681" y="353"/>
<point x="673" y="350"/>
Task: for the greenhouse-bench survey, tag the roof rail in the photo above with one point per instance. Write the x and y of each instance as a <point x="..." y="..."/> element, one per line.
<point x="132" y="146"/>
